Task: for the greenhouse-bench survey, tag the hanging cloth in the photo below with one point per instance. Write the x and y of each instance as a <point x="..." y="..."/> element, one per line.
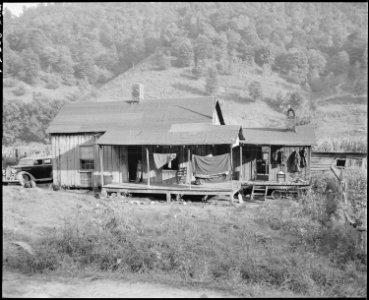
<point x="296" y="161"/>
<point x="303" y="155"/>
<point x="161" y="159"/>
<point x="210" y="165"/>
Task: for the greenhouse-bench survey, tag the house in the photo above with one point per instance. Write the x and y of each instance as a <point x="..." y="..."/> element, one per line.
<point x="323" y="161"/>
<point x="100" y="143"/>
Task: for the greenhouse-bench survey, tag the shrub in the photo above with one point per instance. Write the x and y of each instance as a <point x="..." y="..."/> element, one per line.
<point x="19" y="91"/>
<point x="9" y="82"/>
<point x="255" y="90"/>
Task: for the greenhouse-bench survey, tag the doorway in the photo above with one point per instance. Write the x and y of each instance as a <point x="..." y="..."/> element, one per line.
<point x="134" y="155"/>
<point x="262" y="164"/>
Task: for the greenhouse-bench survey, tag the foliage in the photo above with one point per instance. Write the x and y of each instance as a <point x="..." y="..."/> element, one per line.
<point x="183" y="51"/>
<point x="255" y="90"/>
<point x="295" y="249"/>
<point x="212" y="81"/>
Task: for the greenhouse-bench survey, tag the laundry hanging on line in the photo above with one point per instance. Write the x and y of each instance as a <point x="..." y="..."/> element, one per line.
<point x="161" y="159"/>
<point x="210" y="165"/>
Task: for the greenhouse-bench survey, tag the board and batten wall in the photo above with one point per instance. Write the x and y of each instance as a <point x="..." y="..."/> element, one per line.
<point x="67" y="166"/>
<point x="322" y="162"/>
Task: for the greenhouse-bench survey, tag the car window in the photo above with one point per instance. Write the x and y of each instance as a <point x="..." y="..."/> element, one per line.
<point x="38" y="162"/>
<point x="47" y="161"/>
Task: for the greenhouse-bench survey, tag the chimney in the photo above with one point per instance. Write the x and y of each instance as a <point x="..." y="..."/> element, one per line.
<point x="137" y="92"/>
<point x="291" y="119"/>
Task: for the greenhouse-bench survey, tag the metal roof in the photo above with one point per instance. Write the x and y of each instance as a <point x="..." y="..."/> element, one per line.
<point x="102" y="116"/>
<point x="302" y="136"/>
<point x="175" y="134"/>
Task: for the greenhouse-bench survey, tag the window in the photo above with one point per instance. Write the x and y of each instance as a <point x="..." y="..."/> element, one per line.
<point x="341" y="162"/>
<point x="86" y="154"/>
<point x="37" y="162"/>
<point x="47" y="161"/>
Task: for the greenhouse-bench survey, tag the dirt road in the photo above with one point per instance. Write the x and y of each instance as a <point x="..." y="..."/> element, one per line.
<point x="21" y="286"/>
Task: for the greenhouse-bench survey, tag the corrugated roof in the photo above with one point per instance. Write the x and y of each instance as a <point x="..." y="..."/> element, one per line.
<point x="302" y="136"/>
<point x="102" y="116"/>
<point x="205" y="135"/>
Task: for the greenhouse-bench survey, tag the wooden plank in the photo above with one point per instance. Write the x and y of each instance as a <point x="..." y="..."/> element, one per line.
<point x="101" y="165"/>
<point x="241" y="165"/>
<point x="148" y="165"/>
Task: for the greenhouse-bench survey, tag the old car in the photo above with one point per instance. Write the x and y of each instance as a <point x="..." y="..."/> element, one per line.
<point x="29" y="169"/>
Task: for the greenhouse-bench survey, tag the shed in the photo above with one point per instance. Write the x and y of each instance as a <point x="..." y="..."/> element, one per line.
<point x="322" y="161"/>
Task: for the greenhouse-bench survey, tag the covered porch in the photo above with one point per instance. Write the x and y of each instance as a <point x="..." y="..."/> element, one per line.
<point x="182" y="159"/>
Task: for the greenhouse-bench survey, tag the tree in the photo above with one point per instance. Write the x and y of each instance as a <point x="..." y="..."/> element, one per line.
<point x="355" y="46"/>
<point x="317" y="61"/>
<point x="212" y="81"/>
<point x="264" y="55"/>
<point x="31" y="65"/>
<point x="162" y="61"/>
<point x="255" y="90"/>
<point x="182" y="49"/>
<point x="233" y="39"/>
<point x="339" y="63"/>
<point x="203" y="49"/>
<point x="220" y="47"/>
<point x="296" y="100"/>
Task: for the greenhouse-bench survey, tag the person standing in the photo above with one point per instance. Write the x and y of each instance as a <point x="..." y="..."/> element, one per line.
<point x="139" y="172"/>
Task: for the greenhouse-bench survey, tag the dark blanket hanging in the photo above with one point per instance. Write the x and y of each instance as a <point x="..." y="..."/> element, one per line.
<point x="303" y="154"/>
<point x="211" y="168"/>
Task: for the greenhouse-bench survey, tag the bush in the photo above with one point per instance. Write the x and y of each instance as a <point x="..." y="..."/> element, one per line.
<point x="19" y="91"/>
<point x="9" y="82"/>
<point x="255" y="90"/>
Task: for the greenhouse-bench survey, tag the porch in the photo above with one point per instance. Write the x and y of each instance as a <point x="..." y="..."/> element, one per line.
<point x="228" y="188"/>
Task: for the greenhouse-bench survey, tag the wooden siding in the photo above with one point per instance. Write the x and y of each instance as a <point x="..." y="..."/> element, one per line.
<point x="322" y="162"/>
<point x="66" y="160"/>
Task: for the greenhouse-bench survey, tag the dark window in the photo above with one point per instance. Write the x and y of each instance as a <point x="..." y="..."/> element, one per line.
<point x="341" y="162"/>
<point x="37" y="162"/>
<point x="87" y="157"/>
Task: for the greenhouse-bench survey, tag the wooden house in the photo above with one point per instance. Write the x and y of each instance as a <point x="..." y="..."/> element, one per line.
<point x="101" y="143"/>
<point x="323" y="161"/>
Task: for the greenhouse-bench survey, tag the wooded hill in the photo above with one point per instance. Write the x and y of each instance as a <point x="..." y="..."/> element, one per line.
<point x="62" y="51"/>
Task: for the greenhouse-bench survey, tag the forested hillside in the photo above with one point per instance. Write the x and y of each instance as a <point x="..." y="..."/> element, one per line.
<point x="60" y="52"/>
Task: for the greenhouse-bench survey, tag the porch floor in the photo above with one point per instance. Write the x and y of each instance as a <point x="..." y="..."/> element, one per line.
<point x="229" y="188"/>
<point x="272" y="183"/>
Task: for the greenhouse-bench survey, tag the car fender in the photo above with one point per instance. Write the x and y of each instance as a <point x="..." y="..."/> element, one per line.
<point x="21" y="173"/>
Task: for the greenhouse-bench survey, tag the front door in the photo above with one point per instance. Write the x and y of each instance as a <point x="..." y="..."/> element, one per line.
<point x="262" y="164"/>
<point x="134" y="155"/>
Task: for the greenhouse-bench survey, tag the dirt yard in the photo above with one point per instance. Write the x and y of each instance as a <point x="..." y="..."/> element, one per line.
<point x="21" y="286"/>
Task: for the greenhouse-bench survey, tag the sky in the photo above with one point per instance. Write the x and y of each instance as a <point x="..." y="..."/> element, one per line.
<point x="17" y="8"/>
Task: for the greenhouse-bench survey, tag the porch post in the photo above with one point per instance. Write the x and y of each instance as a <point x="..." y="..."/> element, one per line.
<point x="230" y="150"/>
<point x="241" y="168"/>
<point x="148" y="166"/>
<point x="189" y="164"/>
<point x="101" y="165"/>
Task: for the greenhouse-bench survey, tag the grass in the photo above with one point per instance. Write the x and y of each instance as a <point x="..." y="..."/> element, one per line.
<point x="343" y="144"/>
<point x="295" y="248"/>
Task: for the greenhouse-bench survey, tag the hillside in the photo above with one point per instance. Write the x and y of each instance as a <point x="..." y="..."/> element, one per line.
<point x="256" y="57"/>
<point x="335" y="117"/>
